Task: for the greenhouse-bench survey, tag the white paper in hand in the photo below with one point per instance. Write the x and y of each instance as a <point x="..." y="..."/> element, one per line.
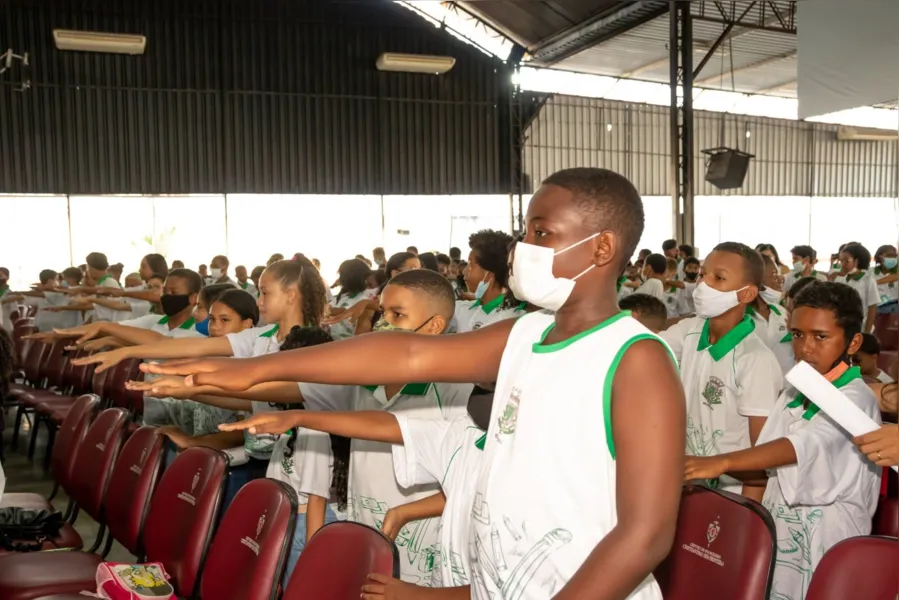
<point x="831" y="400"/>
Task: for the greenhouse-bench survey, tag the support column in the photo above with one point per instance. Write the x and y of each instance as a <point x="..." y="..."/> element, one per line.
<point x="516" y="150"/>
<point x="681" y="175"/>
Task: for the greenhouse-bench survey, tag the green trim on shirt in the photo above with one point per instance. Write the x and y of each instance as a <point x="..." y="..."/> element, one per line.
<point x="104" y="278"/>
<point x="271" y="332"/>
<point x="186" y="325"/>
<point x="539" y="348"/>
<point x="410" y="389"/>
<point x="787" y="338"/>
<point x="728" y="341"/>
<point x="481" y="442"/>
<point x="620" y="282"/>
<point x="812" y="409"/>
<point x="244" y="285"/>
<point x="3" y="291"/>
<point x="856" y="276"/>
<point x="490" y="306"/>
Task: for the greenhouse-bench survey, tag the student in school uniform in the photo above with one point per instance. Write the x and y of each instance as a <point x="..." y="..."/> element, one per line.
<point x="820" y="490"/>
<point x="648" y="310"/>
<point x="443" y="265"/>
<point x="7" y="306"/>
<point x="139" y="296"/>
<point x="856" y="262"/>
<point x="353" y="275"/>
<point x="866" y="359"/>
<point x="243" y="281"/>
<point x="604" y="536"/>
<point x="672" y="292"/>
<point x="656" y="266"/>
<point x="886" y="274"/>
<point x="368" y="313"/>
<point x="487" y="277"/>
<point x="770" y="251"/>
<point x="97" y="269"/>
<point x="379" y="257"/>
<point x="770" y="317"/>
<point x="218" y="270"/>
<point x="804" y="259"/>
<point x="731" y="378"/>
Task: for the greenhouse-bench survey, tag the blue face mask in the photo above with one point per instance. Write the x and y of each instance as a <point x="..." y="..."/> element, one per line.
<point x="203" y="326"/>
<point x="890" y="262"/>
<point x="481" y="290"/>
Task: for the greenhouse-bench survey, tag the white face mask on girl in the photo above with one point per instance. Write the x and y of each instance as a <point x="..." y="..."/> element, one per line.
<point x="532" y="278"/>
<point x="771" y="296"/>
<point x="711" y="303"/>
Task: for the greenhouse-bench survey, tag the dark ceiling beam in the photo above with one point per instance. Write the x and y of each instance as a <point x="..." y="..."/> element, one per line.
<point x="768" y="16"/>
<point x="619" y="19"/>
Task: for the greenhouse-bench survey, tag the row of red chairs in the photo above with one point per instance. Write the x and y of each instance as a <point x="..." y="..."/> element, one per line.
<point x="172" y="519"/>
<point x="886" y="329"/>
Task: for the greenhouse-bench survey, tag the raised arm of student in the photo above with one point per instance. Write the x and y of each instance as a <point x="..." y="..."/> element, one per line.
<point x="111" y="304"/>
<point x="648" y="428"/>
<point x="163" y="348"/>
<point x="402" y="357"/>
<point x="372" y="425"/>
<point x="426" y="508"/>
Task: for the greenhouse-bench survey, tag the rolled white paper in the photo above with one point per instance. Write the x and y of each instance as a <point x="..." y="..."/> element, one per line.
<point x="831" y="400"/>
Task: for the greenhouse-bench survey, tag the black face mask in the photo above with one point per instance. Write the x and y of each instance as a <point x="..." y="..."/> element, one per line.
<point x="2" y="283"/>
<point x="172" y="304"/>
<point x="691" y="276"/>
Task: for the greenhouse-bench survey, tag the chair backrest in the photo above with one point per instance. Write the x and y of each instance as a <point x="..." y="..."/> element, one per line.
<point x="724" y="547"/>
<point x="69" y="438"/>
<point x="23" y="348"/>
<point x="184" y="508"/>
<point x="361" y="550"/>
<point x="251" y="544"/>
<point x="55" y="363"/>
<point x="131" y="486"/>
<point x="34" y="367"/>
<point x="860" y="567"/>
<point x="80" y="378"/>
<point x="886" y="519"/>
<point x="93" y="464"/>
<point x="125" y="371"/>
<point x="99" y="381"/>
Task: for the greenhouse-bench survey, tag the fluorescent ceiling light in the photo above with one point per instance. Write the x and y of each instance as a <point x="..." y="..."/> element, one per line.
<point x="95" y="41"/>
<point x="415" y="63"/>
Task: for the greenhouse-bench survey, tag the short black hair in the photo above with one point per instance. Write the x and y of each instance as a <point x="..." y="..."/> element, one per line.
<point x="804" y="252"/>
<point x="257" y="272"/>
<point x="861" y="255"/>
<point x="5" y="271"/>
<point x="878" y="255"/>
<point x="48" y="275"/>
<point x="177" y="264"/>
<point x="870" y="344"/>
<point x="413" y="250"/>
<point x="669" y="245"/>
<point x="353" y="274"/>
<point x="192" y="278"/>
<point x="301" y="337"/>
<point x="428" y="261"/>
<point x="212" y="292"/>
<point x="455" y="253"/>
<point x="241" y="302"/>
<point x="691" y="260"/>
<point x="222" y="259"/>
<point x="97" y="260"/>
<point x="798" y="286"/>
<point x="157" y="264"/>
<point x="761" y="248"/>
<point x="396" y="261"/>
<point x="644" y="304"/>
<point x="491" y="250"/>
<point x="839" y="298"/>
<point x="432" y="284"/>
<point x="443" y="259"/>
<point x="73" y="273"/>
<point x="687" y="249"/>
<point x="610" y="202"/>
<point x="657" y="262"/>
<point x="755" y="268"/>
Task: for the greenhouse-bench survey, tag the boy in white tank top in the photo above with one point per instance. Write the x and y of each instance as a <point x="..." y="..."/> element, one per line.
<point x="566" y="412"/>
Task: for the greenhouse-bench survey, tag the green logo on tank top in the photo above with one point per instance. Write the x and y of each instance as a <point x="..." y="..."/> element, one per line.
<point x="713" y="392"/>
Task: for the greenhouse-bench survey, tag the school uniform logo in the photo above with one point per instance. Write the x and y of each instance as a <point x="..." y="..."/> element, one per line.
<point x="509" y="418"/>
<point x="713" y="392"/>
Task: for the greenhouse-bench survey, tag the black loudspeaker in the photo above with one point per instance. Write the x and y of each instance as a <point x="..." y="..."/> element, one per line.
<point x="726" y="167"/>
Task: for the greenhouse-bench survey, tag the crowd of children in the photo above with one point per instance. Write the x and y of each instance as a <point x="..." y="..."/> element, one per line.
<point x="526" y="362"/>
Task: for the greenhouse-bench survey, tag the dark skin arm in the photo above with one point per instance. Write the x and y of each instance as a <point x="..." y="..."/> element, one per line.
<point x="747" y="465"/>
<point x="648" y="428"/>
<point x="403" y="357"/>
<point x="373" y="425"/>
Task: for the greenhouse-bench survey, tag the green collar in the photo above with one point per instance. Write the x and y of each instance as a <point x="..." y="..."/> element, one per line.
<point x="244" y="285"/>
<point x="186" y="325"/>
<point x="884" y="271"/>
<point x="271" y="332"/>
<point x="855" y="276"/>
<point x="492" y="305"/>
<point x="728" y="341"/>
<point x="674" y="288"/>
<point x="4" y="290"/>
<point x="539" y="348"/>
<point x="410" y="389"/>
<point x="104" y="278"/>
<point x="621" y="281"/>
<point x="812" y="409"/>
<point x="481" y="442"/>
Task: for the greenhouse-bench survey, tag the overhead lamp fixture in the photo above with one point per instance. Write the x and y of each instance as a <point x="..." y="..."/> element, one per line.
<point x="95" y="41"/>
<point x="414" y="63"/>
<point x="869" y="134"/>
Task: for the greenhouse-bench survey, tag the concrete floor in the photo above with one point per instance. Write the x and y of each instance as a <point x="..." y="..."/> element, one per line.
<point x="23" y="475"/>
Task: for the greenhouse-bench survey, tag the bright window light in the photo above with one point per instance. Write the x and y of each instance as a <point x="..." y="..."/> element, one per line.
<point x="461" y="25"/>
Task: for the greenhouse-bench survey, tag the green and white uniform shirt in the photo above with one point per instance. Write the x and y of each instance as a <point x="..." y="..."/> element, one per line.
<point x="347" y="328"/>
<point x="886" y="292"/>
<point x="550" y="424"/>
<point x="725" y="383"/>
<point x="794" y="276"/>
<point x="257" y="341"/>
<point x="249" y="287"/>
<point x="776" y="335"/>
<point x="101" y="313"/>
<point x="863" y="283"/>
<point x="6" y="310"/>
<point x="447" y="453"/>
<point x="829" y="495"/>
<point x="372" y="487"/>
<point x="309" y="469"/>
<point x="470" y="316"/>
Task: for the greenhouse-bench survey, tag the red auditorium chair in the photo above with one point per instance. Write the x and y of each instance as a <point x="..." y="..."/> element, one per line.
<point x="362" y="550"/>
<point x="862" y="568"/>
<point x="724" y="547"/>
<point x="62" y="461"/>
<point x="886" y="519"/>
<point x="118" y="394"/>
<point x="94" y="460"/>
<point x="251" y="544"/>
<point x="49" y="361"/>
<point x="176" y="532"/>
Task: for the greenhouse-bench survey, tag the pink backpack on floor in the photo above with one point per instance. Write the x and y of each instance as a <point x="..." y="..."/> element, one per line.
<point x="121" y="581"/>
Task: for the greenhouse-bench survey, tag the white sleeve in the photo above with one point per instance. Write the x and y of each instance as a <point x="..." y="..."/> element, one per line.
<point x="428" y="446"/>
<point x="320" y="396"/>
<point x="453" y="399"/>
<point x="242" y="343"/>
<point x="674" y="336"/>
<point x="145" y="322"/>
<point x="828" y="465"/>
<point x="313" y="448"/>
<point x="759" y="381"/>
<point x="872" y="297"/>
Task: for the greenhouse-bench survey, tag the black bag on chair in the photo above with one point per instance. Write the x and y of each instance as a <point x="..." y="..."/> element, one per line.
<point x="26" y="529"/>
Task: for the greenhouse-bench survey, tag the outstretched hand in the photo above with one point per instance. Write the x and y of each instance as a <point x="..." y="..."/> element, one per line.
<point x="84" y="333"/>
<point x="169" y="386"/>
<point x="274" y="423"/>
<point x="103" y="360"/>
<point x="704" y="467"/>
<point x="187" y="366"/>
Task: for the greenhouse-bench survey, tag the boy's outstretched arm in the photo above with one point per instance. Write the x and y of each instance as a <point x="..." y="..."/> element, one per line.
<point x="402" y="358"/>
<point x="746" y="465"/>
<point x="648" y="428"/>
<point x="372" y="425"/>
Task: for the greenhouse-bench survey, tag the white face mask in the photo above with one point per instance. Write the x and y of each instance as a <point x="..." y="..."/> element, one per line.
<point x="771" y="296"/>
<point x="711" y="303"/>
<point x="532" y="278"/>
<point x="215" y="273"/>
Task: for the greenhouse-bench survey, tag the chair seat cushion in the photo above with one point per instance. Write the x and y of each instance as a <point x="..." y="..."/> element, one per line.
<point x="37" y="574"/>
<point x="17" y="391"/>
<point x="25" y="500"/>
<point x="38" y="397"/>
<point x="66" y="538"/>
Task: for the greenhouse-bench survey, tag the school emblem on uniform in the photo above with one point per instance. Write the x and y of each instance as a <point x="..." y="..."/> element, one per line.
<point x="712" y="532"/>
<point x="713" y="392"/>
<point x="509" y="418"/>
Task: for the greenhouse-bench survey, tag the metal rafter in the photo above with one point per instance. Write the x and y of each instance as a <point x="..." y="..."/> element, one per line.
<point x="770" y="15"/>
<point x="680" y="47"/>
<point x="750" y="67"/>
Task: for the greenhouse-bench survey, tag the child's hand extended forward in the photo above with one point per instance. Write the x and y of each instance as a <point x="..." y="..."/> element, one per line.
<point x="274" y="423"/>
